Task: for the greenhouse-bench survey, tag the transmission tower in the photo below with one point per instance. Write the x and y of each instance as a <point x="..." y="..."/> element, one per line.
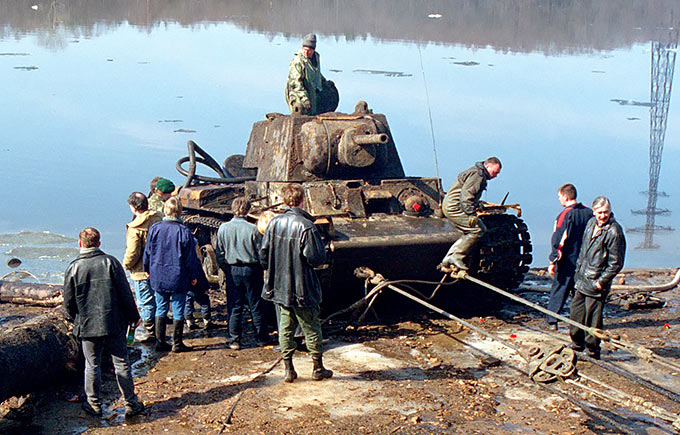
<point x="663" y="66"/>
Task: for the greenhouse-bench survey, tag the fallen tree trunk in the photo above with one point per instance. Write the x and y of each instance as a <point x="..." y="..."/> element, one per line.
<point x="43" y="295"/>
<point x="36" y="354"/>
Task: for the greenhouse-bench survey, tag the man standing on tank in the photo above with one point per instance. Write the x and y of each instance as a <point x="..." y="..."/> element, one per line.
<point x="566" y="244"/>
<point x="461" y="205"/>
<point x="602" y="254"/>
<point x="291" y="248"/>
<point x="137" y="231"/>
<point x="307" y="90"/>
<point x="238" y="254"/>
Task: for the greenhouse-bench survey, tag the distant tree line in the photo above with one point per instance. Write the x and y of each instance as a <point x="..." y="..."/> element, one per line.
<point x="549" y="26"/>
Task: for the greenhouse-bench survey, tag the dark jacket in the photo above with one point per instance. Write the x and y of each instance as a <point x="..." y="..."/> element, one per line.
<point x="238" y="242"/>
<point x="291" y="248"/>
<point x="603" y="251"/>
<point x="463" y="197"/>
<point x="568" y="235"/>
<point x="170" y="257"/>
<point x="97" y="295"/>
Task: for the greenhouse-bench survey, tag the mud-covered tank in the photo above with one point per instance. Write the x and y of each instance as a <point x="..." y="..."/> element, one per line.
<point x="368" y="211"/>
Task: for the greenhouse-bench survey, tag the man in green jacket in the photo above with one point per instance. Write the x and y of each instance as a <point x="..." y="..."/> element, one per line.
<point x="134" y="254"/>
<point x="307" y="90"/>
<point x="460" y="206"/>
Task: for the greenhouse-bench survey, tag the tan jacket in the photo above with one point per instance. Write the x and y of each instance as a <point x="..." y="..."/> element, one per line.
<point x="136" y="240"/>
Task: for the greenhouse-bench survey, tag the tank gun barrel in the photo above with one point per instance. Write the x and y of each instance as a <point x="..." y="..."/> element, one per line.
<point x="371" y="139"/>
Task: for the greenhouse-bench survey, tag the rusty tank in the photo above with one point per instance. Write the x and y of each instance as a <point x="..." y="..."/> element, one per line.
<point x="368" y="211"/>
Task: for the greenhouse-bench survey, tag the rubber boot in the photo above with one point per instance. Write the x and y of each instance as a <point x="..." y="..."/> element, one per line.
<point x="291" y="375"/>
<point x="320" y="372"/>
<point x="462" y="247"/>
<point x="150" y="330"/>
<point x="161" y="344"/>
<point x="177" y="336"/>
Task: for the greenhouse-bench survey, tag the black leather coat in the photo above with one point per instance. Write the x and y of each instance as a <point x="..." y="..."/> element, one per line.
<point x="603" y="251"/>
<point x="97" y="295"/>
<point x="291" y="248"/>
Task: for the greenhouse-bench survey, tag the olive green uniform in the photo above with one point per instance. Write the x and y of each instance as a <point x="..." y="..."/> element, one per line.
<point x="460" y="207"/>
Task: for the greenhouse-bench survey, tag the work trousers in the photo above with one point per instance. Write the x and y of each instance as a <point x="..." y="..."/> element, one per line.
<point x="202" y="299"/>
<point x="117" y="346"/>
<point x="471" y="235"/>
<point x="163" y="304"/>
<point x="308" y="319"/>
<point x="244" y="285"/>
<point x="586" y="310"/>
<point x="146" y="300"/>
<point x="562" y="287"/>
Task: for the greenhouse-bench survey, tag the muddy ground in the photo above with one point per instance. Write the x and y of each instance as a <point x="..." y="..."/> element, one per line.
<point x="416" y="373"/>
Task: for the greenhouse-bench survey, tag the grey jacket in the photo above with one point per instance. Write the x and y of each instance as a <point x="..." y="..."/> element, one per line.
<point x="463" y="197"/>
<point x="603" y="251"/>
<point x="238" y="242"/>
<point x="291" y="248"/>
<point x="97" y="295"/>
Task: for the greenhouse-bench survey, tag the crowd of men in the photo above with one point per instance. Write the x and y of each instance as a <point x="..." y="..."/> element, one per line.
<point x="272" y="265"/>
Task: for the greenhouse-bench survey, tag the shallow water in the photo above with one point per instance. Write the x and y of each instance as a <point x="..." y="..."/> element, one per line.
<point x="102" y="97"/>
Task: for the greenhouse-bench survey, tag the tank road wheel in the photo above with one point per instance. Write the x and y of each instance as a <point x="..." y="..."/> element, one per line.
<point x="504" y="252"/>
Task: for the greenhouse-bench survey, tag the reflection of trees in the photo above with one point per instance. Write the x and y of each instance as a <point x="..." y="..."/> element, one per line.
<point x="550" y="26"/>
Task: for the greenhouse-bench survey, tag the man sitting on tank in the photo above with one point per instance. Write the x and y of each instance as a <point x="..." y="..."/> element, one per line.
<point x="461" y="204"/>
<point x="307" y="90"/>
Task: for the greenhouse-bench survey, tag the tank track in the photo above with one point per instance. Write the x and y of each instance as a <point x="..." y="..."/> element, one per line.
<point x="504" y="251"/>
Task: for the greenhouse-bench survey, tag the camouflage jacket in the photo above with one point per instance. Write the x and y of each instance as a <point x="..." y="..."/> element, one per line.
<point x="156" y="203"/>
<point x="305" y="81"/>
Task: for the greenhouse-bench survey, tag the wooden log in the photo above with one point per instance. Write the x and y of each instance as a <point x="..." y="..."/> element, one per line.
<point x="36" y="354"/>
<point x="43" y="295"/>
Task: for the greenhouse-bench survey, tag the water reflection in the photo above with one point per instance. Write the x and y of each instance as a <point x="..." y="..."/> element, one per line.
<point x="550" y="27"/>
<point x="663" y="66"/>
<point x="121" y="85"/>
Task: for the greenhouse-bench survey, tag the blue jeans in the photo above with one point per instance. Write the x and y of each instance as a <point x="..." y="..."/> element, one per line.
<point x="146" y="302"/>
<point x="202" y="299"/>
<point x="163" y="304"/>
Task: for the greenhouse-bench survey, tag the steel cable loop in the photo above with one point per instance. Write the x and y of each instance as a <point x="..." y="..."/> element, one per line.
<point x="615" y="340"/>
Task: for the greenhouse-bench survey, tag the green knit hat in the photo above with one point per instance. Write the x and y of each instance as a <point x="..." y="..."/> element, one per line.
<point x="165" y="185"/>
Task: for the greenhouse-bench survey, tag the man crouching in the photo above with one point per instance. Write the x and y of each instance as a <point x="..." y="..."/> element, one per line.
<point x="98" y="297"/>
<point x="291" y="248"/>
